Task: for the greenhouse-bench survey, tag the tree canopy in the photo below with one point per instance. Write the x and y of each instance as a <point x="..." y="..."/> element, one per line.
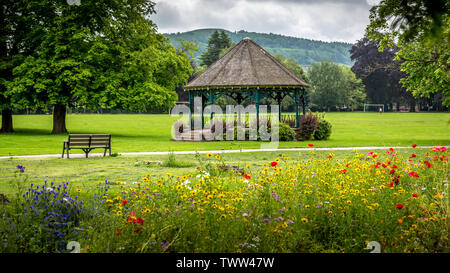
<point x="304" y="51"/>
<point x="218" y="41"/>
<point x="96" y="54"/>
<point x="335" y="85"/>
<point x="421" y="29"/>
<point x="379" y="72"/>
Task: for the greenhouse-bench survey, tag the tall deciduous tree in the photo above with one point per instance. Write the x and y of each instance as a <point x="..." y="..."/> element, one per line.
<point x="380" y="73"/>
<point x="354" y="95"/>
<point x="99" y="54"/>
<point x="422" y="31"/>
<point x="16" y="33"/>
<point x="328" y="82"/>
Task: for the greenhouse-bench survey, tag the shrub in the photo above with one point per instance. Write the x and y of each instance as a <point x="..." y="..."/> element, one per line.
<point x="323" y="130"/>
<point x="308" y="124"/>
<point x="286" y="132"/>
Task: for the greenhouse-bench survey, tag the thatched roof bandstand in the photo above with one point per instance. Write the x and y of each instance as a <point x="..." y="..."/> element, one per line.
<point x="247" y="71"/>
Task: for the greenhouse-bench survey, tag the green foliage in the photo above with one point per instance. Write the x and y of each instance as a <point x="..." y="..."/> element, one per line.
<point x="98" y="54"/>
<point x="335" y="85"/>
<point x="216" y="44"/>
<point x="304" y="51"/>
<point x="324" y="128"/>
<point x="421" y="29"/>
<point x="286" y="133"/>
<point x="354" y="94"/>
<point x="328" y="82"/>
<point x="172" y="162"/>
<point x="427" y="66"/>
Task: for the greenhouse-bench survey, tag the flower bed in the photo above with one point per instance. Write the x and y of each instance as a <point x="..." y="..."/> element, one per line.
<point x="316" y="204"/>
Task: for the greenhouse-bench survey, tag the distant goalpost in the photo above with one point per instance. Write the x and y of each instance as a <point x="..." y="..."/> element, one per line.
<point x="368" y="105"/>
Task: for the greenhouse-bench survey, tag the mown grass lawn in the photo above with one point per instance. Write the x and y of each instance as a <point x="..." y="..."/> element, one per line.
<point x="137" y="133"/>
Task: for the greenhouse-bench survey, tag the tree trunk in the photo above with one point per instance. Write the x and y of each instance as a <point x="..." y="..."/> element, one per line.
<point x="59" y="119"/>
<point x="7" y="121"/>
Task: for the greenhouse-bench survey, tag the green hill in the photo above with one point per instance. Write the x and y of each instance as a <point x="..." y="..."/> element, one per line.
<point x="305" y="51"/>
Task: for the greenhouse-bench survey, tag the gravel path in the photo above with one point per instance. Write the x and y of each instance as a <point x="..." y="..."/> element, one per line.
<point x="219" y="151"/>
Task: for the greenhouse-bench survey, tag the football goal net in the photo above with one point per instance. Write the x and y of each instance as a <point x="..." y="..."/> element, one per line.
<point x="373" y="107"/>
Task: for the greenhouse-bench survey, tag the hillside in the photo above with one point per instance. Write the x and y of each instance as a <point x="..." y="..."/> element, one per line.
<point x="305" y="51"/>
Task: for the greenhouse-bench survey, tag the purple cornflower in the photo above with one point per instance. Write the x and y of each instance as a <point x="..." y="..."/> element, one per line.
<point x="276" y="196"/>
<point x="21" y="168"/>
<point x="319" y="206"/>
<point x="164" y="245"/>
<point x="266" y="220"/>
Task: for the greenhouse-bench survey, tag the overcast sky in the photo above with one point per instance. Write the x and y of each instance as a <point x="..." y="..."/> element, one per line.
<point x="326" y="20"/>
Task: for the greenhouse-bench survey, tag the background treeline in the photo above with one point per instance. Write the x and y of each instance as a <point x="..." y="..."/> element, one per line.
<point x="304" y="51"/>
<point x="374" y="78"/>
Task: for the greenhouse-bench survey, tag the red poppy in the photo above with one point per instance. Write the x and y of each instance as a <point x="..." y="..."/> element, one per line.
<point x="311" y="145"/>
<point x="384" y="165"/>
<point x="415" y="195"/>
<point x="399" y="206"/>
<point x="392" y="171"/>
<point x="413" y="174"/>
<point x="138" y="230"/>
<point x="273" y="163"/>
<point x="413" y="155"/>
<point x="427" y="163"/>
<point x="396" y="179"/>
<point x="374" y="155"/>
<point x="246" y="176"/>
<point x="124" y="202"/>
<point x="118" y="232"/>
<point x="391" y="184"/>
<point x="394" y="166"/>
<point x="391" y="149"/>
<point x="414" y="145"/>
<point x="140" y="220"/>
<point x="343" y="171"/>
<point x="347" y="165"/>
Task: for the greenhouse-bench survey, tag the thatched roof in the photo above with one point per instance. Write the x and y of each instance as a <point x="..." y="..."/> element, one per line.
<point x="246" y="65"/>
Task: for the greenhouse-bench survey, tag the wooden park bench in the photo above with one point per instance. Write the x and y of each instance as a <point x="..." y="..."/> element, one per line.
<point x="87" y="143"/>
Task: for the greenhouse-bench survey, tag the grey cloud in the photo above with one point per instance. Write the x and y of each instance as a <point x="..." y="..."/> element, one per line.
<point x="321" y="19"/>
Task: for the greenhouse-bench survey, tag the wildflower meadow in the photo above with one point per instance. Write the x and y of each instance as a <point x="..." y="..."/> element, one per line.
<point x="312" y="203"/>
